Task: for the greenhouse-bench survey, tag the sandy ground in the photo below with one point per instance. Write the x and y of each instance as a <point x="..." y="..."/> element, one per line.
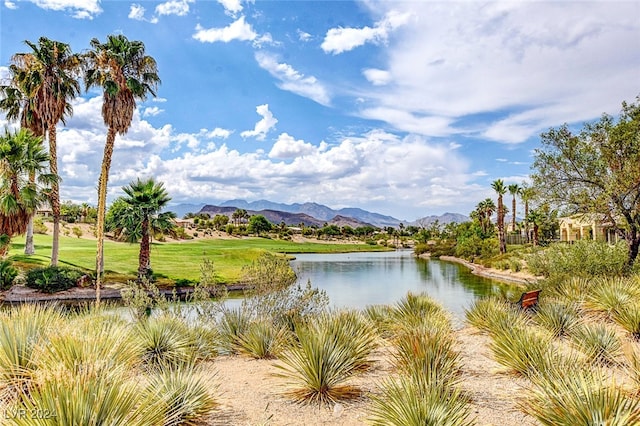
<point x="249" y="393"/>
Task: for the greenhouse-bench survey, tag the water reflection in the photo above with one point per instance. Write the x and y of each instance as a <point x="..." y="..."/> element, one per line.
<point x="355" y="280"/>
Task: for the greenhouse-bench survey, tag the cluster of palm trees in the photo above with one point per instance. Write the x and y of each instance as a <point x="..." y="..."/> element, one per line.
<point x="45" y="81"/>
<point x="486" y="208"/>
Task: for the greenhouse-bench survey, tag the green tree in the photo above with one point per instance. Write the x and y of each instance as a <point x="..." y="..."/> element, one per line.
<point x="21" y="156"/>
<point x="514" y="189"/>
<point x="144" y="200"/>
<point x="220" y="221"/>
<point x="526" y="193"/>
<point x="259" y="224"/>
<point x="48" y="78"/>
<point x="498" y="186"/>
<point x="126" y="74"/>
<point x="596" y="171"/>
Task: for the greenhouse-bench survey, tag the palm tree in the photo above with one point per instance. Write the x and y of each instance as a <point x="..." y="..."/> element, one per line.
<point x="125" y="73"/>
<point x="48" y="78"/>
<point x="535" y="217"/>
<point x="526" y="193"/>
<point x="514" y="189"/>
<point x="145" y="200"/>
<point x="498" y="186"/>
<point x="21" y="156"/>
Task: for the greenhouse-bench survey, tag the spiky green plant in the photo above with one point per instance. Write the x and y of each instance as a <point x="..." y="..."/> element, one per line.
<point x="381" y="316"/>
<point x="165" y="341"/>
<point x="610" y="294"/>
<point x="557" y="318"/>
<point x="569" y="289"/>
<point x="525" y="351"/>
<point x="263" y="340"/>
<point x="579" y="397"/>
<point x="415" y="308"/>
<point x="22" y="330"/>
<point x="185" y="393"/>
<point x="403" y="402"/>
<point x="628" y="317"/>
<point x="318" y="366"/>
<point x="231" y="324"/>
<point x="84" y="397"/>
<point x="491" y="313"/>
<point x="427" y="352"/>
<point x="633" y="365"/>
<point x="598" y="342"/>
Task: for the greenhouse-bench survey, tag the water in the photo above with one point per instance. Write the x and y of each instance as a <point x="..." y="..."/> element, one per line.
<point x="355" y="280"/>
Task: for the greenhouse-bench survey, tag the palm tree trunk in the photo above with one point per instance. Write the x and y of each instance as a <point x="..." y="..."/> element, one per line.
<point x="144" y="259"/>
<point x="526" y="220"/>
<point x="501" y="237"/>
<point x="513" y="214"/>
<point x="102" y="207"/>
<point x="29" y="247"/>
<point x="55" y="196"/>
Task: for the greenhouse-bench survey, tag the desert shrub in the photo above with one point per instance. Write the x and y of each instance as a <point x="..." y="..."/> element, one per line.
<point x="474" y="247"/>
<point x="51" y="279"/>
<point x="598" y="342"/>
<point x="558" y="318"/>
<point x="568" y="289"/>
<point x="403" y="402"/>
<point x="632" y="354"/>
<point x="38" y="226"/>
<point x="165" y="341"/>
<point x="263" y="339"/>
<point x="492" y="313"/>
<point x="609" y="294"/>
<point x="415" y="309"/>
<point x="515" y="264"/>
<point x="8" y="274"/>
<point x="524" y="351"/>
<point x="583" y="258"/>
<point x="231" y="324"/>
<point x="628" y="317"/>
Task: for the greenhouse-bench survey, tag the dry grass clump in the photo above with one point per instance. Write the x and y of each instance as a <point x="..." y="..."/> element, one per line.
<point x="327" y="352"/>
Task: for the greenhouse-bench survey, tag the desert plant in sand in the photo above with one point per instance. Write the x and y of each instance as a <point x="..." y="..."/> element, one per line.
<point x="567" y="396"/>
<point x="263" y="339"/>
<point x="327" y="353"/>
<point x="231" y="324"/>
<point x="184" y="392"/>
<point x="165" y="341"/>
<point x="628" y="317"/>
<point x="558" y="318"/>
<point x="524" y="351"/>
<point x="632" y="354"/>
<point x="612" y="293"/>
<point x="414" y="308"/>
<point x="492" y="313"/>
<point x="598" y="342"/>
<point x="405" y="402"/>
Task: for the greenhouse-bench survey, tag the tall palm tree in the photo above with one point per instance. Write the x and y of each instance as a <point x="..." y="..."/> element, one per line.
<point x="526" y="193"/>
<point x="146" y="199"/>
<point x="48" y="77"/>
<point x="21" y="156"/>
<point x="514" y="189"/>
<point x="535" y="217"/>
<point x="125" y="73"/>
<point x="500" y="188"/>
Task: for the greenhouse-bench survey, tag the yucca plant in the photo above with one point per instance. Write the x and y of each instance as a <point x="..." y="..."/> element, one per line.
<point x="427" y="352"/>
<point x="263" y="339"/>
<point x="610" y="294"/>
<point x="318" y="366"/>
<point x="491" y="313"/>
<point x="568" y="289"/>
<point x="628" y="317"/>
<point x="523" y="350"/>
<point x="185" y="393"/>
<point x="415" y="308"/>
<point x="84" y="397"/>
<point x="165" y="341"/>
<point x="598" y="342"/>
<point x="403" y="402"/>
<point x="381" y="316"/>
<point x="22" y="330"/>
<point x="558" y="318"/>
<point x="231" y="324"/>
<point x="579" y="397"/>
<point x="633" y="365"/>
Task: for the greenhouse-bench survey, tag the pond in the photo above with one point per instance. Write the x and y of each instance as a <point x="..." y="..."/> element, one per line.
<point x="355" y="280"/>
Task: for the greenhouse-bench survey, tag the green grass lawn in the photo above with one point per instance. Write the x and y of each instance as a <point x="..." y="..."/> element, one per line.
<point x="173" y="260"/>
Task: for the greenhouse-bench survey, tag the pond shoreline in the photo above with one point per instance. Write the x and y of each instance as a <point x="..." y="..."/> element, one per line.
<point x="521" y="278"/>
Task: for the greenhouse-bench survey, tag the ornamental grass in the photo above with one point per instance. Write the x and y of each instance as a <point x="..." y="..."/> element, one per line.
<point x="405" y="402"/>
<point x="326" y="354"/>
<point x="263" y="339"/>
<point x="231" y="324"/>
<point x="598" y="342"/>
<point x="557" y="318"/>
<point x="415" y="308"/>
<point x="576" y="396"/>
<point x="492" y="314"/>
<point x="524" y="351"/>
<point x="628" y="317"/>
<point x="165" y="341"/>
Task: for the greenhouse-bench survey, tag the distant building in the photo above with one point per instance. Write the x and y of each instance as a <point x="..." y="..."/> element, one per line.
<point x="586" y="227"/>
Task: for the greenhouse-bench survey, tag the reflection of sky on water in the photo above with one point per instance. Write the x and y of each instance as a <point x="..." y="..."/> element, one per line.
<point x="355" y="280"/>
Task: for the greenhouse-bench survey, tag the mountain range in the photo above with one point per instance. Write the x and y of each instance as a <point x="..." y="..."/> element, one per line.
<point x="312" y="214"/>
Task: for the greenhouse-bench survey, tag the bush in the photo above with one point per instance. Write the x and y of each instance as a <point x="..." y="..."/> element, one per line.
<point x="51" y="279"/>
<point x="8" y="273"/>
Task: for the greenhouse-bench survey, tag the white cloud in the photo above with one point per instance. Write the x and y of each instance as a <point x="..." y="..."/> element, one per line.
<point x="263" y="126"/>
<point x="174" y="7"/>
<point x="219" y="133"/>
<point x="304" y="36"/>
<point x="10" y="5"/>
<point x="292" y="80"/>
<point x="523" y="66"/>
<point x="287" y="147"/>
<point x="80" y="9"/>
<point x="338" y="40"/>
<point x="151" y="111"/>
<point x="231" y="6"/>
<point x="377" y="77"/>
<point x="136" y="12"/>
<point x="238" y="30"/>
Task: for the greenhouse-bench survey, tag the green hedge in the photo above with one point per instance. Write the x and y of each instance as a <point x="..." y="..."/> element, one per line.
<point x="53" y="278"/>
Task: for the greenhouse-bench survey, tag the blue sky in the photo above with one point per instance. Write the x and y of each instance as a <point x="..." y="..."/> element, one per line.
<point x="403" y="108"/>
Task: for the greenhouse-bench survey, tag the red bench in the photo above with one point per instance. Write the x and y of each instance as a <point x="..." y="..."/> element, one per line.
<point x="529" y="299"/>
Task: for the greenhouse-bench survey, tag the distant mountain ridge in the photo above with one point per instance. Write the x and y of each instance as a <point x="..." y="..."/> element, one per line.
<point x="312" y="214"/>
